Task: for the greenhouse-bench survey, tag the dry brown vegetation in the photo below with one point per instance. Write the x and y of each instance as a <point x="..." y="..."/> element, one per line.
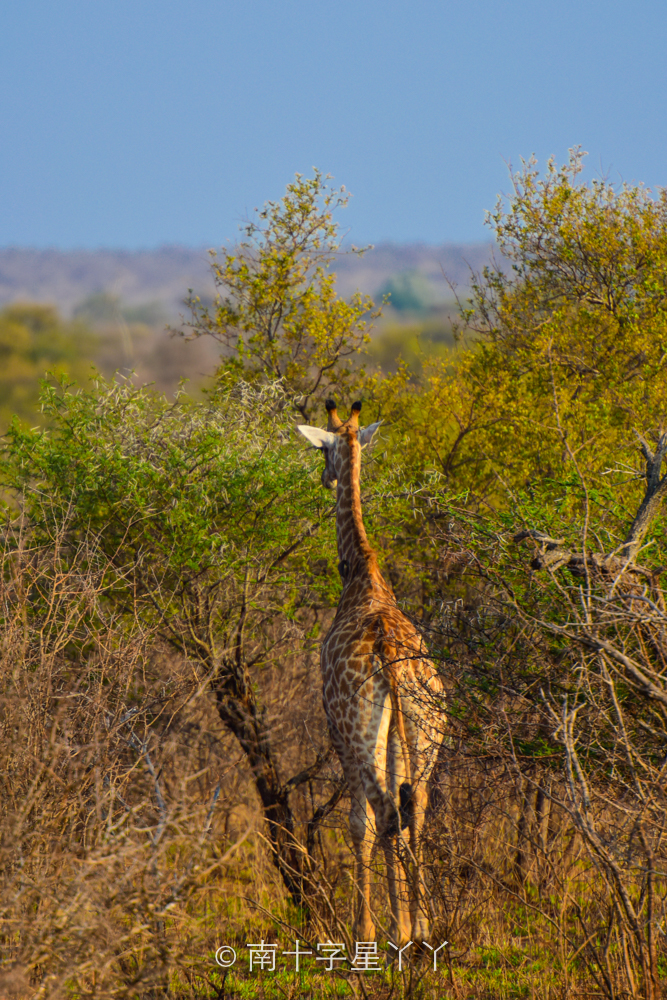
<point x="169" y="568"/>
<point x="132" y="846"/>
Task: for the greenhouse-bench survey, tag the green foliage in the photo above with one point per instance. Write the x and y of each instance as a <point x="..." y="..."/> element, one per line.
<point x="591" y="245"/>
<point x="277" y="314"/>
<point x="205" y="524"/>
<point x="34" y="341"/>
<point x="413" y="343"/>
<point x="564" y="350"/>
<point x="187" y="503"/>
<point x="572" y="340"/>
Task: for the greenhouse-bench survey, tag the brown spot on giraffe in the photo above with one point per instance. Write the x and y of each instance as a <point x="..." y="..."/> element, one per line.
<point x="382" y="696"/>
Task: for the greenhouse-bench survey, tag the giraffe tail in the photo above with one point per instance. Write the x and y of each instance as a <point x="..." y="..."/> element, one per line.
<point x="405" y="791"/>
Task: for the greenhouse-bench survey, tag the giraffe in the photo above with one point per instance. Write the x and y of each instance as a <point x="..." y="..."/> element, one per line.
<point x="382" y="697"/>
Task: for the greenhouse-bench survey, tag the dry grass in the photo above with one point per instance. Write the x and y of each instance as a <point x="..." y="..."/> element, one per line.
<point x="132" y="846"/>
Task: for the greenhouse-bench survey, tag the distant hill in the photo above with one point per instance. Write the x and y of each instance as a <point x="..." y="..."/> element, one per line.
<point x="161" y="278"/>
<point x="67" y="277"/>
<point x="443" y="265"/>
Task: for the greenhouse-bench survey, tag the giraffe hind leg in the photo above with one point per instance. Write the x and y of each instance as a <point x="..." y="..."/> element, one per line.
<point x="388" y="819"/>
<point x="418" y="916"/>
<point x="399" y="900"/>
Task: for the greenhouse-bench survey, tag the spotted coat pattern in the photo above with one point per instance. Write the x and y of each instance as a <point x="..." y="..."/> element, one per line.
<point x="383" y="701"/>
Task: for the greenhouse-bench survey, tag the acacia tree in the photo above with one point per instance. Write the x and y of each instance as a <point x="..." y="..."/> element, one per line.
<point x="206" y="527"/>
<point x="277" y="314"/>
<point x="559" y="418"/>
<point x="563" y="338"/>
<point x="201" y="512"/>
<point x="592" y="670"/>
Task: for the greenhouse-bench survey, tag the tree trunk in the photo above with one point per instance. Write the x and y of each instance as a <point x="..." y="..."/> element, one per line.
<point x="241" y="714"/>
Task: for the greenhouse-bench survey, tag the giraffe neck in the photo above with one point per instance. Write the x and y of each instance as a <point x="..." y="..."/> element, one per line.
<point x="356" y="556"/>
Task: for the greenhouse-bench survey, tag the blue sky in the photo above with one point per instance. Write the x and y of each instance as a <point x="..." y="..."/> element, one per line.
<point x="133" y="123"/>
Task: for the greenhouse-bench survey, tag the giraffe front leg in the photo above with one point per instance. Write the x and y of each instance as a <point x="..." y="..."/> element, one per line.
<point x="363" y="836"/>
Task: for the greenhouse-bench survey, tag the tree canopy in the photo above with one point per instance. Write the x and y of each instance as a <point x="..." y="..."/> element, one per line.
<point x="277" y="314"/>
<point x="34" y="341"/>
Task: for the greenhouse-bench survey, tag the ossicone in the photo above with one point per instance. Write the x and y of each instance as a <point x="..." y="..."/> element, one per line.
<point x="334" y="421"/>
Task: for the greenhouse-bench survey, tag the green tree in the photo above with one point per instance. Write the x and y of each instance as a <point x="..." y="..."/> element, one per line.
<point x="34" y="340"/>
<point x="554" y="415"/>
<point x="566" y="339"/>
<point x="277" y="314"/>
<point x="206" y="527"/>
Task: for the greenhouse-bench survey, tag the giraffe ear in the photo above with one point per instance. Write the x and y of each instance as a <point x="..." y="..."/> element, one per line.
<point x="317" y="437"/>
<point x="366" y="433"/>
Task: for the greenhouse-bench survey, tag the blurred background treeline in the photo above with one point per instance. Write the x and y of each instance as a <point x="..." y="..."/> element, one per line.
<point x="169" y="569"/>
<point x="117" y="311"/>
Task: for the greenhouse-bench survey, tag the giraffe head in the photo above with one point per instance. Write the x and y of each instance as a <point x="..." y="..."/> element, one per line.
<point x="339" y="441"/>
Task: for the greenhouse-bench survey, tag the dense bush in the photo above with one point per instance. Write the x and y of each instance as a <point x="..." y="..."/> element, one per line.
<point x="169" y="567"/>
